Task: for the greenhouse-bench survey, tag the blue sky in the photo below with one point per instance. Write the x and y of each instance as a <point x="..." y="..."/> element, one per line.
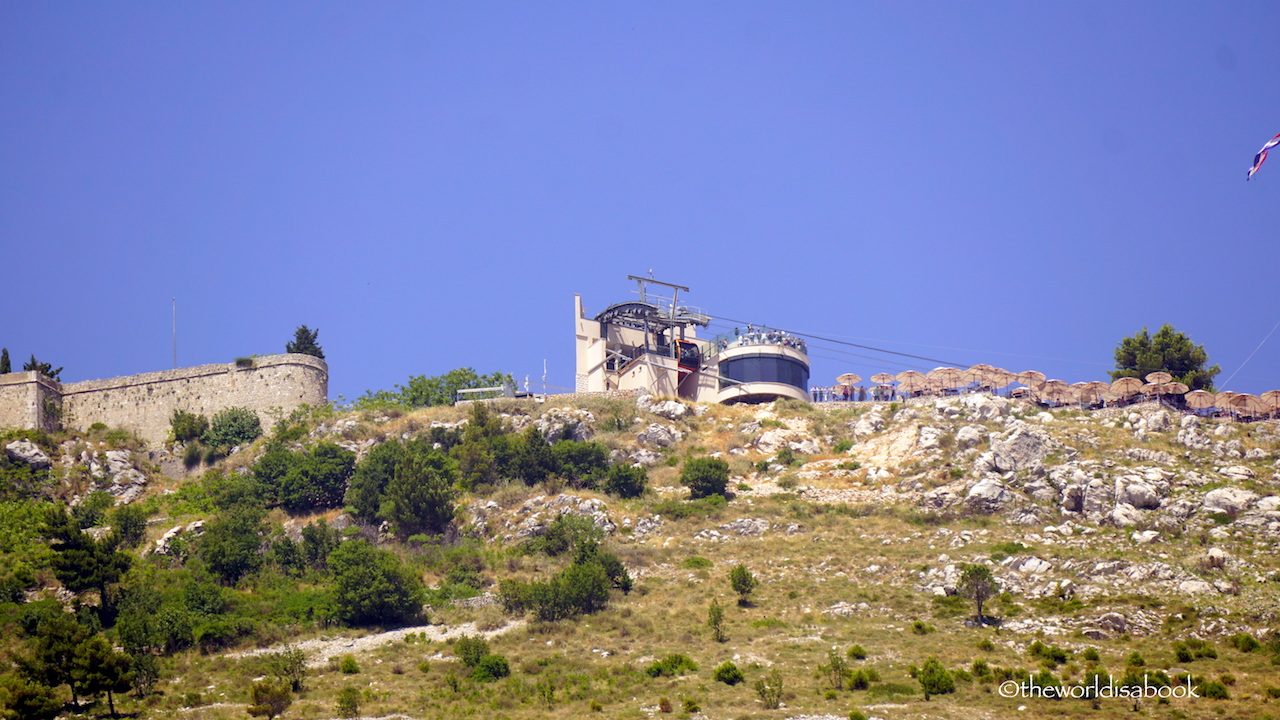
<point x="1014" y="183"/>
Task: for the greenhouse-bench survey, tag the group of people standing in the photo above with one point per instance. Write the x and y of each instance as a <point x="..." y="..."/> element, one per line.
<point x="851" y="393"/>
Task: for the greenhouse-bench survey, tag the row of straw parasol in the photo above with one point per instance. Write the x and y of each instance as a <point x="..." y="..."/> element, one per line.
<point x="987" y="377"/>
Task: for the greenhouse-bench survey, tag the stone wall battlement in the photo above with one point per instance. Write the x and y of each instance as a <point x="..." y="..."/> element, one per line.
<point x="272" y="386"/>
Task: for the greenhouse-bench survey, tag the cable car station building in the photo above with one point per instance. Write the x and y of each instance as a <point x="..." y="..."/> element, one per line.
<point x="651" y="345"/>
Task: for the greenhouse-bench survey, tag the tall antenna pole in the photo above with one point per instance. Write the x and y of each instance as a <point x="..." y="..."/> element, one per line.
<point x="175" y="333"/>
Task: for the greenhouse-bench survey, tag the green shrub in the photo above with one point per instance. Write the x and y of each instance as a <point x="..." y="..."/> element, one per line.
<point x="786" y="457"/>
<point x="1244" y="642"/>
<point x="192" y="454"/>
<point x="743" y="583"/>
<point x="348" y="665"/>
<point x="696" y="562"/>
<point x="92" y="508"/>
<point x="470" y="650"/>
<point x="856" y="652"/>
<point x="372" y="587"/>
<point x="421" y="493"/>
<point x="626" y="481"/>
<point x="920" y="627"/>
<point x="671" y="666"/>
<point x="715" y="621"/>
<point x="348" y="703"/>
<point x="491" y="668"/>
<point x="935" y="679"/>
<point x="769" y="690"/>
<point x="862" y="678"/>
<point x="218" y="635"/>
<point x="307" y="480"/>
<point x="673" y="509"/>
<point x="1091" y="655"/>
<point x="231" y="427"/>
<point x="581" y="464"/>
<point x="268" y="699"/>
<point x="130" y="523"/>
<point x="578" y="590"/>
<point x="1193" y="649"/>
<point x="705" y="476"/>
<point x="1135" y="659"/>
<point x="564" y="534"/>
<point x="728" y="673"/>
<point x="187" y="426"/>
<point x="856" y="715"/>
<point x="1214" y="690"/>
<point x="842" y="447"/>
<point x="1054" y="656"/>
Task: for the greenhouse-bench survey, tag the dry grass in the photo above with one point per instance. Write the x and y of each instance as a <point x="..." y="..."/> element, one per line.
<point x="813" y="558"/>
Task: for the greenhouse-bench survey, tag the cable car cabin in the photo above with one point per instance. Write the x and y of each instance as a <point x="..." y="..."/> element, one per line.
<point x="689" y="358"/>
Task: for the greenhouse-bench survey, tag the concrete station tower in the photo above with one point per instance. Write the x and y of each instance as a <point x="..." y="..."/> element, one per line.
<point x="651" y="344"/>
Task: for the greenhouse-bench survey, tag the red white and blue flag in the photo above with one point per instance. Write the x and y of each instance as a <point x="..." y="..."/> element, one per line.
<point x="1261" y="157"/>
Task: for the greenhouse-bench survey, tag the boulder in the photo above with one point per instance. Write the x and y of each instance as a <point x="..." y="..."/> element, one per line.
<point x="1158" y="421"/>
<point x="1239" y="473"/>
<point x="27" y="453"/>
<point x="658" y="435"/>
<point x="1030" y="565"/>
<point x="1137" y="493"/>
<point x="646" y="458"/>
<point x="746" y="527"/>
<point x="868" y="424"/>
<point x="1191" y="437"/>
<point x="1099" y="498"/>
<point x="1073" y="498"/>
<point x="669" y="409"/>
<point x="988" y="496"/>
<point x="1113" y="622"/>
<point x="985" y="408"/>
<point x="1023" y="447"/>
<point x="929" y="438"/>
<point x="566" y="424"/>
<point x="968" y="436"/>
<point x="807" y="446"/>
<point x="1231" y="501"/>
<point x="1194" y="587"/>
<point x="1125" y="515"/>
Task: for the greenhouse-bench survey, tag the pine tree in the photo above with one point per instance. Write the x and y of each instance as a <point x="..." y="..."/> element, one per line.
<point x="304" y="342"/>
<point x="43" y="368"/>
<point x="98" y="668"/>
<point x="419" y="497"/>
<point x="1167" y="351"/>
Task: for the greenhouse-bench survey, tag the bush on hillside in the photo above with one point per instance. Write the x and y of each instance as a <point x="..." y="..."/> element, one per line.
<point x="705" y="476"/>
<point x="372" y="587"/>
<point x="317" y="478"/>
<point x="187" y="426"/>
<point x="231" y="427"/>
<point x="626" y="481"/>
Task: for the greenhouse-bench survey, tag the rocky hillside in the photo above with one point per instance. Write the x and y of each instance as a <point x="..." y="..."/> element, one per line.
<point x="1123" y="541"/>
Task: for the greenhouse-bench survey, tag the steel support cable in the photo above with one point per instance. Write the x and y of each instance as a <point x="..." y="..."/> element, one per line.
<point x="842" y="342"/>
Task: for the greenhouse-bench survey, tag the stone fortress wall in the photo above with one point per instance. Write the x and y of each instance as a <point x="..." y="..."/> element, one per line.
<point x="273" y="386"/>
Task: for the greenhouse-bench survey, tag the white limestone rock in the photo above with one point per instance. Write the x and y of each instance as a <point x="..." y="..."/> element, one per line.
<point x="27" y="453"/>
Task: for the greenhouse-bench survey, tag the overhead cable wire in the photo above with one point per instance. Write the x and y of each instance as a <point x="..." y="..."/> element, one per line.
<point x="1255" y="352"/>
<point x="842" y="342"/>
<point x="814" y="345"/>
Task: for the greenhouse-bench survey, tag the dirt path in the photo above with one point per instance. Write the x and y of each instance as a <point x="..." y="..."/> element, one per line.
<point x="319" y="650"/>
